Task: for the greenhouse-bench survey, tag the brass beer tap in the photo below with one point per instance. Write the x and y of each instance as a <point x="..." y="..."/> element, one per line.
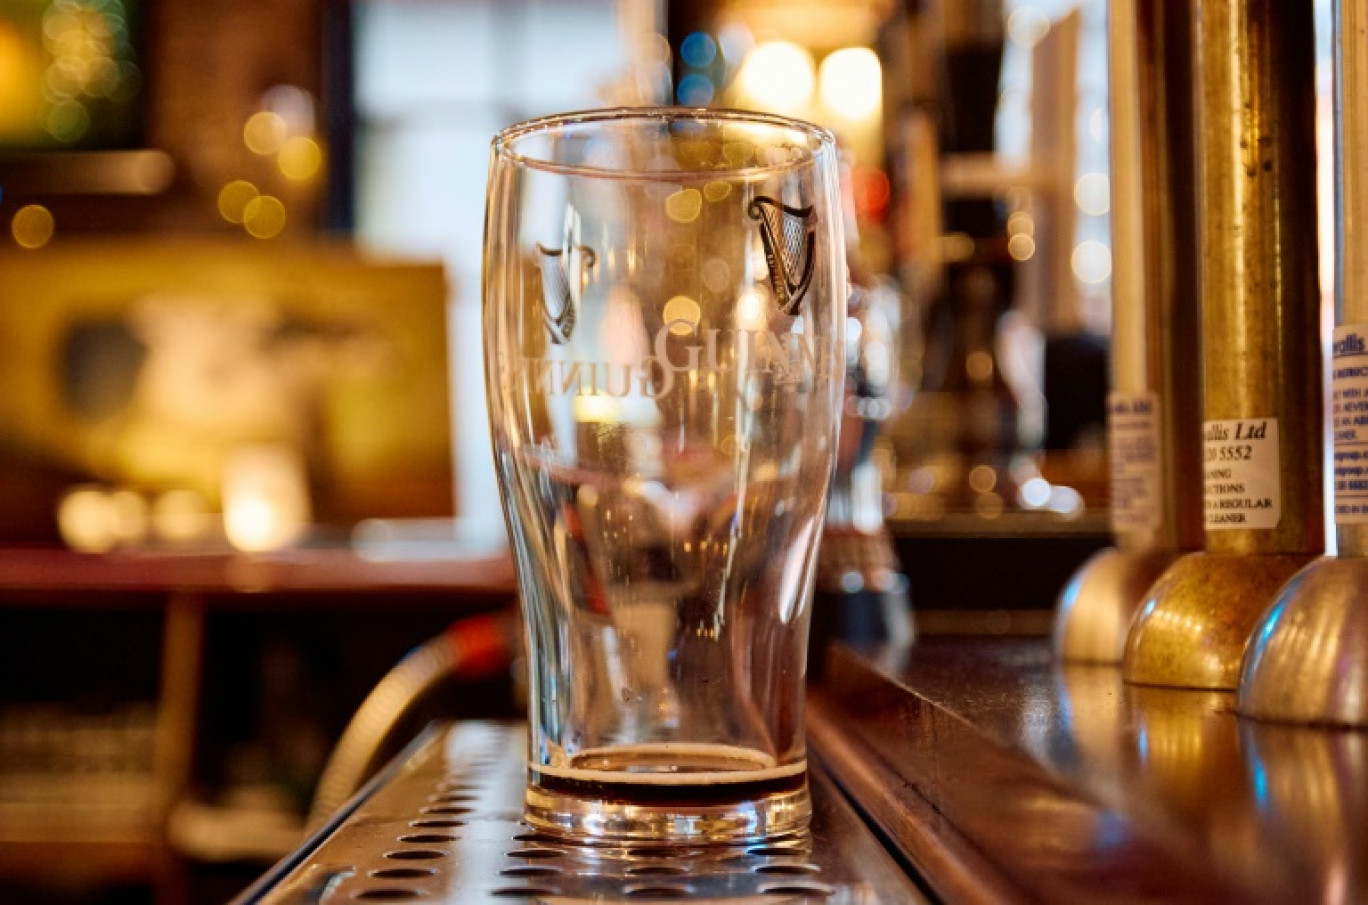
<point x="1307" y="660"/>
<point x="1153" y="407"/>
<point x="1261" y="440"/>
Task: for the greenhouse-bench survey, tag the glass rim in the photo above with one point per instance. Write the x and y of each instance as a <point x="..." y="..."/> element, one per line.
<point x="823" y="139"/>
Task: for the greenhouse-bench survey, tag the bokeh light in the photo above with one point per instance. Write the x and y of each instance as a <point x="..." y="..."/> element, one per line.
<point x="683" y="206"/>
<point x="1092" y="193"/>
<point x="982" y="478"/>
<point x="1092" y="262"/>
<point x="88" y="50"/>
<point x="68" y="121"/>
<point x="233" y="199"/>
<point x="86" y="521"/>
<point x="988" y="505"/>
<point x="751" y="311"/>
<point x="779" y="75"/>
<point x="1020" y="222"/>
<point x="300" y="158"/>
<point x="698" y="50"/>
<point x="872" y="191"/>
<point x="265" y="497"/>
<point x="695" y="90"/>
<point x="293" y="105"/>
<point x="264" y="217"/>
<point x="96" y="519"/>
<point x="716" y="275"/>
<point x="734" y="41"/>
<point x="851" y="83"/>
<point x="978" y="366"/>
<point x="1034" y="493"/>
<point x="681" y="308"/>
<point x="265" y="132"/>
<point x="1021" y="247"/>
<point x="596" y="409"/>
<point x="32" y="226"/>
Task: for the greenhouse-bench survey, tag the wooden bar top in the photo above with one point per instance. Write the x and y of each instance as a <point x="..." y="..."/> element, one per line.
<point x="1004" y="776"/>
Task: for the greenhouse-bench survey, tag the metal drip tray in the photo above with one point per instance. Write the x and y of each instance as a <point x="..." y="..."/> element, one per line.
<point x="444" y="824"/>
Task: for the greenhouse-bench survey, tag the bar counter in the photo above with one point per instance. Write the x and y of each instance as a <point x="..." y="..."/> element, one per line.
<point x="957" y="770"/>
<point x="1000" y="775"/>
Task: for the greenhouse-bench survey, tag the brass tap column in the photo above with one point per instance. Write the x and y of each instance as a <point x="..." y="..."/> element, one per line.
<point x="1261" y="439"/>
<point x="1154" y="407"/>
<point x="1308" y="659"/>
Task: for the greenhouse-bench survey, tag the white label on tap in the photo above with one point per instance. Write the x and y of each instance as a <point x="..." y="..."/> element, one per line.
<point x="1349" y="422"/>
<point x="1242" y="474"/>
<point x="1133" y="453"/>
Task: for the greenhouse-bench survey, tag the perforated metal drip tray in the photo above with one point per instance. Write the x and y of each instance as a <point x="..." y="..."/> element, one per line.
<point x="445" y="825"/>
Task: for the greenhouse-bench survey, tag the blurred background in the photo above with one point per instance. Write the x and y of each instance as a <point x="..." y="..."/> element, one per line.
<point x="244" y="464"/>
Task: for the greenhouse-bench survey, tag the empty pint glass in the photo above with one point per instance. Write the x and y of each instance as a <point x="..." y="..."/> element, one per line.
<point x="664" y="303"/>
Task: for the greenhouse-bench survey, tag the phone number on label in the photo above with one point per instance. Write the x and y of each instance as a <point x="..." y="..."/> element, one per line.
<point x="1241" y="453"/>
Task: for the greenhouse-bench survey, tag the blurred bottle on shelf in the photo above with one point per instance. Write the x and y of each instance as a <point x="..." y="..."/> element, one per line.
<point x="978" y="241"/>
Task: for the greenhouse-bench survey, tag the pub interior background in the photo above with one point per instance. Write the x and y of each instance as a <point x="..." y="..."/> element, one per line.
<point x="244" y="465"/>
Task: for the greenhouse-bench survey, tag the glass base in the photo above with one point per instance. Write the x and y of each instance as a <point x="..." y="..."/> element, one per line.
<point x="670" y="794"/>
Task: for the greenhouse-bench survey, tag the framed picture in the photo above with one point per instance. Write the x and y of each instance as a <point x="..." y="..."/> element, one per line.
<point x="153" y="364"/>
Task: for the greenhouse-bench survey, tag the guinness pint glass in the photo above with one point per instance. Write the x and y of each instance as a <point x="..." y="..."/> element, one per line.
<point x="664" y="312"/>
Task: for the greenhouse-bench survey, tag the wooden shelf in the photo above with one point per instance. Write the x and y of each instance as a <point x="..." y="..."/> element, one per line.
<point x="300" y="573"/>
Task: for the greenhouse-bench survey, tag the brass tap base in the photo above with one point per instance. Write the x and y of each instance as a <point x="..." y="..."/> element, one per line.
<point x="1096" y="606"/>
<point x="1192" y="627"/>
<point x="1307" y="660"/>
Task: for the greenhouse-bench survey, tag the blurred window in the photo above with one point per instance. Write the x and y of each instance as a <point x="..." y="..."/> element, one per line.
<point x="434" y="80"/>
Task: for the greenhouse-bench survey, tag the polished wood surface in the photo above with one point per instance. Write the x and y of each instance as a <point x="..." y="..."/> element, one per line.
<point x="1003" y="776"/>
